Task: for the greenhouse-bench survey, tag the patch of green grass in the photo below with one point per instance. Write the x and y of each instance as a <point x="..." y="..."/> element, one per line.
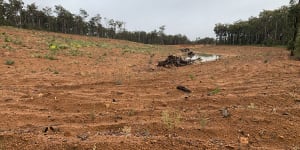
<point x="75" y="52"/>
<point x="192" y="77"/>
<point x="215" y="91"/>
<point x="7" y="39"/>
<point x="63" y="46"/>
<point x="50" y="56"/>
<point x="13" y="40"/>
<point x="90" y="55"/>
<point x="17" y="42"/>
<point x="55" y="72"/>
<point x="127" y="51"/>
<point x="101" y="58"/>
<point x="171" y="119"/>
<point x="9" y="62"/>
<point x="8" y="47"/>
<point x="53" y="47"/>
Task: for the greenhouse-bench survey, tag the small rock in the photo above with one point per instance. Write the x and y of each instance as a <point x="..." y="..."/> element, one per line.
<point x="45" y="130"/>
<point x="40" y="95"/>
<point x="184" y="89"/>
<point x="119" y="93"/>
<point x="118" y="117"/>
<point x="241" y="132"/>
<point x="153" y="141"/>
<point x="107" y="105"/>
<point x="8" y="99"/>
<point x="281" y="137"/>
<point x="229" y="147"/>
<point x="225" y="112"/>
<point x="114" y="100"/>
<point x="52" y="129"/>
<point x="244" y="140"/>
<point x="186" y="97"/>
<point x="285" y="113"/>
<point x="83" y="137"/>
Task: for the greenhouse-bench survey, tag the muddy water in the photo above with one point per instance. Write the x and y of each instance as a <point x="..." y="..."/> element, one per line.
<point x="204" y="58"/>
<point x="209" y="58"/>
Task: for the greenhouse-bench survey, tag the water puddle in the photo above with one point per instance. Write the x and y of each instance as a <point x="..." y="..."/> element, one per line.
<point x="203" y="57"/>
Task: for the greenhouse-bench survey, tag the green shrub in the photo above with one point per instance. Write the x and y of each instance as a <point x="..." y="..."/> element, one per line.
<point x="53" y="47"/>
<point x="215" y="91"/>
<point x="50" y="57"/>
<point x="9" y="62"/>
<point x="75" y="52"/>
<point x="7" y="39"/>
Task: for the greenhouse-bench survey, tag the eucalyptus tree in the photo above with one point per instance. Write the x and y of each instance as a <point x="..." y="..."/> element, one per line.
<point x="65" y="20"/>
<point x="295" y="13"/>
<point x="112" y="28"/>
<point x="12" y="12"/>
<point x="161" y="34"/>
<point x="269" y="28"/>
<point x="30" y="16"/>
<point x="61" y="20"/>
<point x="95" y="26"/>
<point x="83" y="27"/>
<point x="80" y="26"/>
<point x="119" y="25"/>
<point x="2" y="13"/>
<point x="49" y="23"/>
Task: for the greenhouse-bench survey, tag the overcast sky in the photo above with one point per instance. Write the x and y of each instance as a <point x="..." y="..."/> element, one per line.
<point x="194" y="18"/>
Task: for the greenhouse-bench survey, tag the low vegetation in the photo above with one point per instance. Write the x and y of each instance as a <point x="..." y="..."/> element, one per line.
<point x="171" y="119"/>
<point x="9" y="62"/>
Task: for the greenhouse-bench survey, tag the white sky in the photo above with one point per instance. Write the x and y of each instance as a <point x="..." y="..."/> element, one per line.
<point x="193" y="18"/>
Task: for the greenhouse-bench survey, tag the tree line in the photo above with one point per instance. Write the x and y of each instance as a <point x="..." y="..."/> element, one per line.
<point x="59" y="19"/>
<point x="269" y="28"/>
<point x="276" y="27"/>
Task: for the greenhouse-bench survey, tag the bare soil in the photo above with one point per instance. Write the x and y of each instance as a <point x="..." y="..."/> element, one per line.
<point x="95" y="93"/>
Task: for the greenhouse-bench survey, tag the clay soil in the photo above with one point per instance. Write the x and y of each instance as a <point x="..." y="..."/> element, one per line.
<point x="91" y="93"/>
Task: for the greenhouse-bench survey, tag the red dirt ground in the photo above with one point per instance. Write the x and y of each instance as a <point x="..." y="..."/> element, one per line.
<point x="112" y="96"/>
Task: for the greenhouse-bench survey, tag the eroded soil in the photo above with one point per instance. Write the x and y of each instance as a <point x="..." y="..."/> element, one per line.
<point x="90" y="93"/>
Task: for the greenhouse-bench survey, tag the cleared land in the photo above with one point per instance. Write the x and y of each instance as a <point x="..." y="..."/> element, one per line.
<point x="70" y="92"/>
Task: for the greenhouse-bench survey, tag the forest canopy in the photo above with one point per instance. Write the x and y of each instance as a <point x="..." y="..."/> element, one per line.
<point x="59" y="19"/>
<point x="271" y="27"/>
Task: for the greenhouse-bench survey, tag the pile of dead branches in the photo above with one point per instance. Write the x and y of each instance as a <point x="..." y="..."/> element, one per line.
<point x="173" y="61"/>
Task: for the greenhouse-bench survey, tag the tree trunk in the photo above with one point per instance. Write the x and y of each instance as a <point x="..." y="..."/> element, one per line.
<point x="295" y="32"/>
